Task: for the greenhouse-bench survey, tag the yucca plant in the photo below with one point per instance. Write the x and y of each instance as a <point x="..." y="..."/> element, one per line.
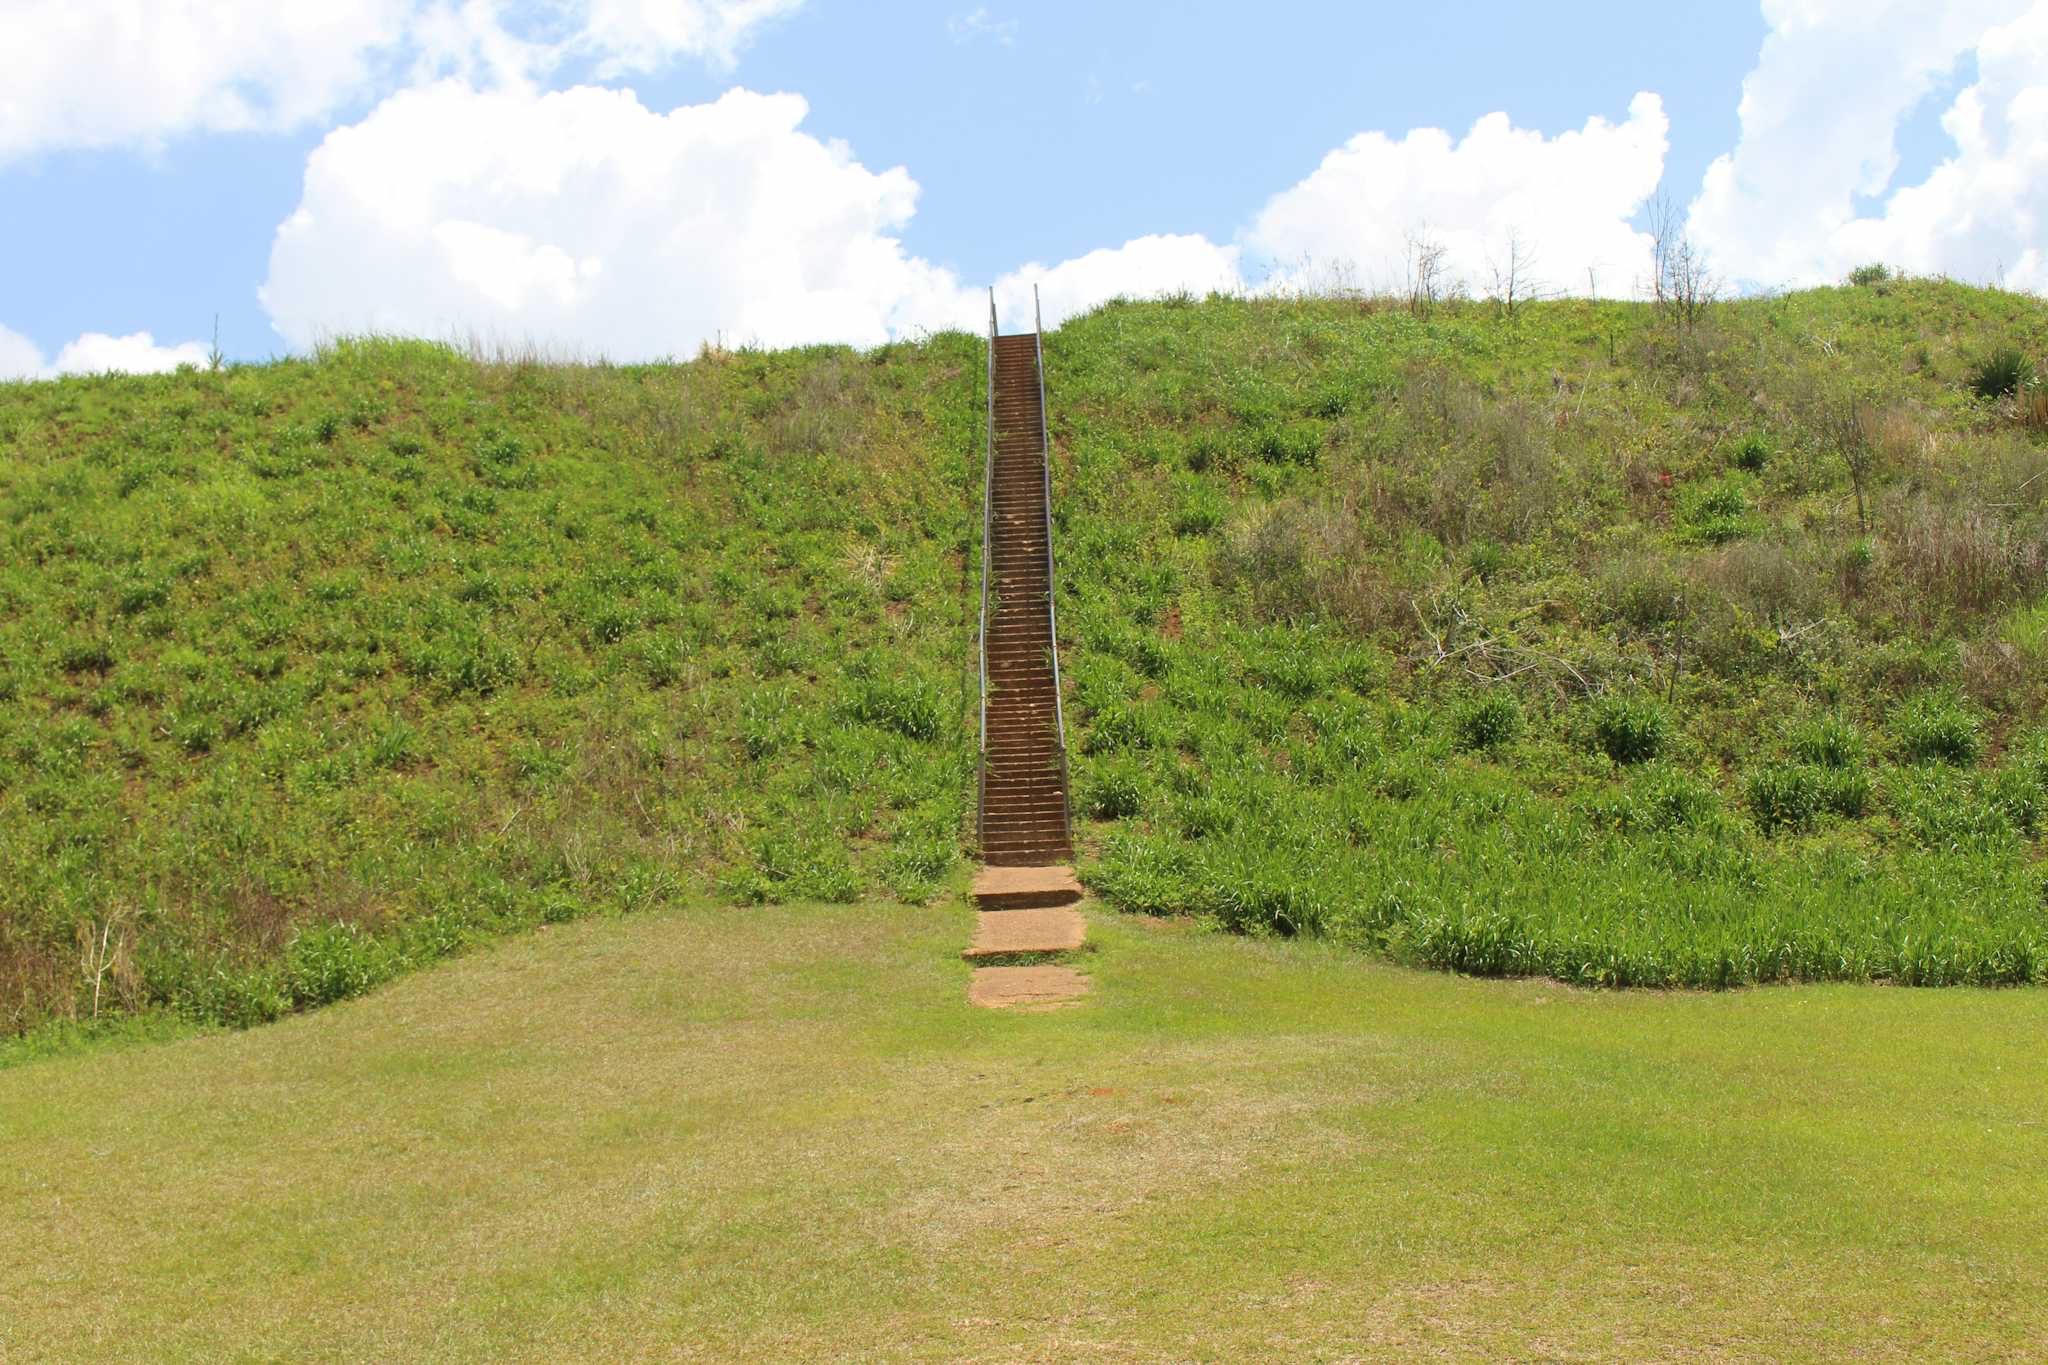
<point x="2002" y="372"/>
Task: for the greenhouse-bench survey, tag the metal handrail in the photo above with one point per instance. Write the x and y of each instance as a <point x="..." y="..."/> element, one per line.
<point x="988" y="480"/>
<point x="1052" y="622"/>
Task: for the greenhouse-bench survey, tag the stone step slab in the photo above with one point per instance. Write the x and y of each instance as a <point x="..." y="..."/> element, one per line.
<point x="1031" y="989"/>
<point x="1010" y="934"/>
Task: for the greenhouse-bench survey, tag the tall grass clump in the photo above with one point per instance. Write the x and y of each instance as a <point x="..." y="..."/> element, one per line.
<point x="1488" y="722"/>
<point x="2000" y="374"/>
<point x="1939" y="728"/>
<point x="1630" y="729"/>
<point x="1829" y="742"/>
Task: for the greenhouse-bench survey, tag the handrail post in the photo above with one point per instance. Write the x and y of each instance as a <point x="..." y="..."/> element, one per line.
<point x="1051" y="582"/>
<point x="988" y="476"/>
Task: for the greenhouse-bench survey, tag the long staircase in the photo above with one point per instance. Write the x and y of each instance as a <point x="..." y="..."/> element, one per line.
<point x="1024" y="816"/>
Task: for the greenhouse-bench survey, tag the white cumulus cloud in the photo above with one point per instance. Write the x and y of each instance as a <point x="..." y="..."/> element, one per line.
<point x="89" y="73"/>
<point x="645" y="35"/>
<point x="95" y="353"/>
<point x="589" y="224"/>
<point x="1569" y="198"/>
<point x="104" y="73"/>
<point x="1147" y="267"/>
<point x="585" y="221"/>
<point x="1821" y="115"/>
<point x="20" y="358"/>
<point x="136" y="353"/>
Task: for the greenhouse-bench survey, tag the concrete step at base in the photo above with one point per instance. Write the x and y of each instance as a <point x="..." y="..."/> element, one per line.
<point x="1026" y="933"/>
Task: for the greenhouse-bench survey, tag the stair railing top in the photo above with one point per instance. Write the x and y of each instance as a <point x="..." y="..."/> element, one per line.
<point x="1052" y="619"/>
<point x="988" y="483"/>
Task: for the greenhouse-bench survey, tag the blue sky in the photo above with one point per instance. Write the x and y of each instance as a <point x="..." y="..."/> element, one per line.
<point x="1033" y="135"/>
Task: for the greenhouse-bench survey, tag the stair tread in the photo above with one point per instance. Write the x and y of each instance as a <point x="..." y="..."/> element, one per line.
<point x="1024" y="787"/>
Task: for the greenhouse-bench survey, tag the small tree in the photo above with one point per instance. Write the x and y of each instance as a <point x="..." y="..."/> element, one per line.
<point x="1427" y="282"/>
<point x="1514" y="275"/>
<point x="1844" y="420"/>
<point x="1680" y="280"/>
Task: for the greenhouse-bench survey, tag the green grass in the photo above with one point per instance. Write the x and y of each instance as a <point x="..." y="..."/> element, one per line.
<point x="314" y="672"/>
<point x="781" y="1134"/>
<point x="1641" y="543"/>
<point x="1483" y="643"/>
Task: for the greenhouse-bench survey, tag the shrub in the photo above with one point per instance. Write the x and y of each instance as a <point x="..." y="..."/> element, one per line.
<point x="1716" y="513"/>
<point x="1782" y="796"/>
<point x="664" y="659"/>
<point x="1937" y="728"/>
<point x="1296" y="443"/>
<point x="2020" y="794"/>
<point x="1630" y="729"/>
<point x="768" y="724"/>
<point x="908" y="706"/>
<point x="331" y="962"/>
<point x="1295" y="668"/>
<point x="1864" y="276"/>
<point x="86" y="656"/>
<point x="1845" y="792"/>
<point x="1115" y="727"/>
<point x="1297" y="560"/>
<point x="1858" y="558"/>
<point x="920" y="861"/>
<point x="1794" y="796"/>
<point x="1665" y="799"/>
<point x="1206" y="450"/>
<point x="1201" y="507"/>
<point x="1751" y="453"/>
<point x="1829" y="742"/>
<point x="796" y="867"/>
<point x="1484" y="559"/>
<point x="2000" y="373"/>
<point x="1115" y="792"/>
<point x="1639" y="591"/>
<point x="1488" y="722"/>
<point x="1973" y="559"/>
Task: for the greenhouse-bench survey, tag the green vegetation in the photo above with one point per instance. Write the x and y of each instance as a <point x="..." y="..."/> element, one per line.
<point x="2001" y="374"/>
<point x="316" y="671"/>
<point x="783" y="1135"/>
<point x="1488" y="643"/>
<point x="1760" y="595"/>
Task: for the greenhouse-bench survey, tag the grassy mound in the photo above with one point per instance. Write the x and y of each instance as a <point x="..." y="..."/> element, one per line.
<point x="313" y="671"/>
<point x="1578" y="642"/>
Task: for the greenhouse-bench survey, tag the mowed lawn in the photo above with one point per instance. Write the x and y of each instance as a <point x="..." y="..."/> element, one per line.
<point x="781" y="1134"/>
